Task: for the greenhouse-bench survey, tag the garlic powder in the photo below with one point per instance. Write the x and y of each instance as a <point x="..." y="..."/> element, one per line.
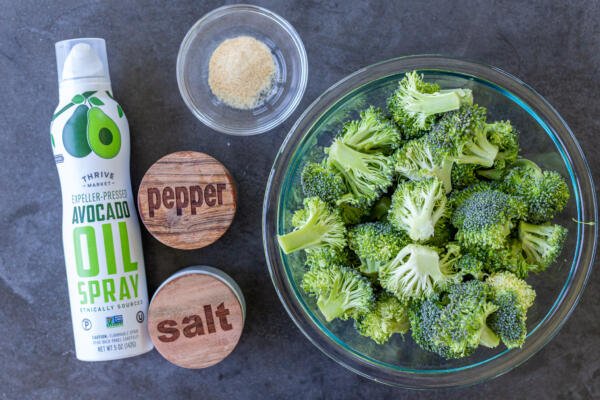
<point x="241" y="72"/>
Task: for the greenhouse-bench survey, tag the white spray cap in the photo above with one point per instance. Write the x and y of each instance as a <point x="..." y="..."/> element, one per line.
<point x="79" y="59"/>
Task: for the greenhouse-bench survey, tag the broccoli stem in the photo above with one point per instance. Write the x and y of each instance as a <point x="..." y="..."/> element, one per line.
<point x="369" y="267"/>
<point x="437" y="103"/>
<point x="305" y="237"/>
<point x="421" y="224"/>
<point x="531" y="240"/>
<point x="331" y="308"/>
<point x="488" y="338"/>
<point x="345" y="156"/>
<point x="481" y="152"/>
<point x="444" y="173"/>
<point x="492" y="174"/>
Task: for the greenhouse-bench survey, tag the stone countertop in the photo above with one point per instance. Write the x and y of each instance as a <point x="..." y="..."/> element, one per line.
<point x="552" y="45"/>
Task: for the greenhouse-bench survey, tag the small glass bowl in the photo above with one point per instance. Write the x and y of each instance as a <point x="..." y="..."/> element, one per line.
<point x="229" y="22"/>
<point x="545" y="138"/>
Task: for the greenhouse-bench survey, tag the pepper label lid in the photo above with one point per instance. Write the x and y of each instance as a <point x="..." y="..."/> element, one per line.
<point x="187" y="200"/>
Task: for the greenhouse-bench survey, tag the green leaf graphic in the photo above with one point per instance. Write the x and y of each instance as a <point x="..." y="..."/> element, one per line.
<point x="88" y="94"/>
<point x="119" y="111"/>
<point x="96" y="101"/>
<point x="52" y="140"/>
<point x="109" y="94"/>
<point x="62" y="110"/>
<point x="78" y="99"/>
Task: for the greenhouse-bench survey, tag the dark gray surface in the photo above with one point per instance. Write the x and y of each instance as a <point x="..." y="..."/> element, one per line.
<point x="553" y="46"/>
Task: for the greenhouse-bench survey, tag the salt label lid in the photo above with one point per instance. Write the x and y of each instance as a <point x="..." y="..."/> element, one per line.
<point x="196" y="317"/>
<point x="187" y="200"/>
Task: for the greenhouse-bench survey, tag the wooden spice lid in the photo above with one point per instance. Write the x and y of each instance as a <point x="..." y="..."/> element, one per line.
<point x="196" y="317"/>
<point x="187" y="200"/>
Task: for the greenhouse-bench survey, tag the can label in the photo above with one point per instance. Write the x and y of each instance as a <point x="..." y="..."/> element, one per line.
<point x="101" y="234"/>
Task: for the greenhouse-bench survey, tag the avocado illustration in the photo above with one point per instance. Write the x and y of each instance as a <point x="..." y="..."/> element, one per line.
<point x="102" y="133"/>
<point x="74" y="135"/>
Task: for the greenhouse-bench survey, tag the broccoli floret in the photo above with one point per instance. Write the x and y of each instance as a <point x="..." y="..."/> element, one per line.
<point x="503" y="135"/>
<point x="513" y="296"/>
<point x="371" y="133"/>
<point x="485" y="219"/>
<point x="389" y="316"/>
<point x="471" y="266"/>
<point x="545" y="192"/>
<point x="375" y="243"/>
<point x="323" y="182"/>
<point x="457" y="197"/>
<point x="462" y="133"/>
<point x="317" y="225"/>
<point x="506" y="138"/>
<point x="417" y="206"/>
<point x="508" y="258"/>
<point x="366" y="176"/>
<point x="424" y="317"/>
<point x="415" y="104"/>
<point x="415" y="272"/>
<point x="464" y="175"/>
<point x="419" y="159"/>
<point x="454" y="326"/>
<point x="341" y="292"/>
<point x="508" y="322"/>
<point x="326" y="256"/>
<point x="508" y="283"/>
<point x="541" y="244"/>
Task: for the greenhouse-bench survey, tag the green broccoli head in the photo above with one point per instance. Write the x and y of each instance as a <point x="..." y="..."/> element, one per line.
<point x="462" y="134"/>
<point x="371" y="133"/>
<point x="367" y="176"/>
<point x="513" y="297"/>
<point x="323" y="182"/>
<point x="485" y="219"/>
<point x="317" y="225"/>
<point x="454" y="325"/>
<point x="507" y="258"/>
<point x="389" y="316"/>
<point x="508" y="322"/>
<point x="464" y="175"/>
<point x="542" y="244"/>
<point x="505" y="282"/>
<point x="415" y="273"/>
<point x="457" y="197"/>
<point x="418" y="159"/>
<point x="470" y="266"/>
<point x="417" y="206"/>
<point x="341" y="292"/>
<point x="415" y="104"/>
<point x="375" y="243"/>
<point x="506" y="138"/>
<point x="326" y="256"/>
<point x="545" y="192"/>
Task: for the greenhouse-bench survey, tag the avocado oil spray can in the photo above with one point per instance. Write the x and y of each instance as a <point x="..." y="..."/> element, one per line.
<point x="101" y="233"/>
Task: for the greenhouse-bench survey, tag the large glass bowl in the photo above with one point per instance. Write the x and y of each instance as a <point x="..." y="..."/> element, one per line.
<point x="545" y="138"/>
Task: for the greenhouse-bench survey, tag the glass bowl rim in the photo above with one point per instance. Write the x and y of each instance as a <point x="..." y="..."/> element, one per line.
<point x="270" y="123"/>
<point x="581" y="266"/>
